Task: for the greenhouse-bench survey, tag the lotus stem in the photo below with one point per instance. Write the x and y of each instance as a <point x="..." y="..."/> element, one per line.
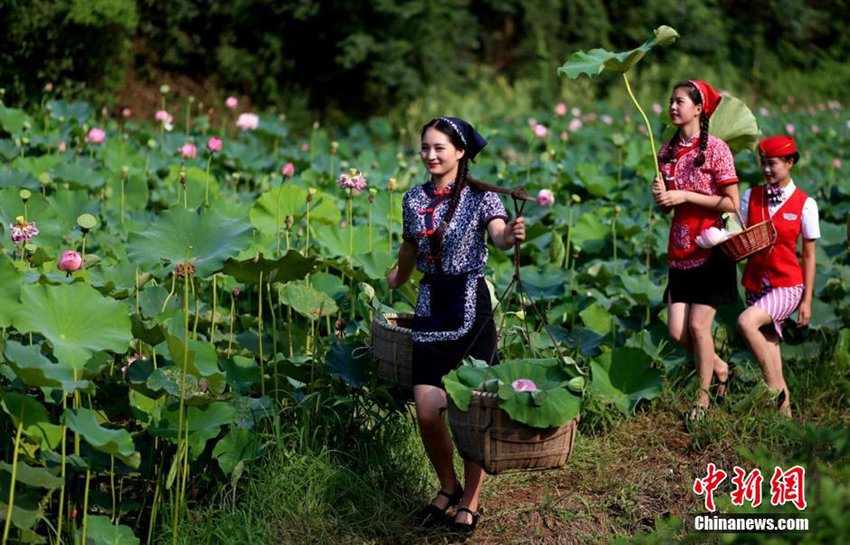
<point x="232" y="319"/>
<point x="112" y="483"/>
<point x="569" y="234"/>
<point x="196" y="299"/>
<point x="274" y="336"/>
<point x="614" y="237"/>
<point x="86" y="504"/>
<point x="183" y="371"/>
<point x="214" y="309"/>
<point x="646" y="121"/>
<point x="390" y="226"/>
<point x="277" y="217"/>
<point x="123" y="199"/>
<point x="649" y="239"/>
<point x="207" y="188"/>
<point x="62" y="472"/>
<point x="11" y="502"/>
<point x="370" y="226"/>
<point x="260" y="333"/>
<point x="289" y="329"/>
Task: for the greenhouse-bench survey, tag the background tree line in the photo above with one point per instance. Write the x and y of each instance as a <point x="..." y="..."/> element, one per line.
<point x="352" y="58"/>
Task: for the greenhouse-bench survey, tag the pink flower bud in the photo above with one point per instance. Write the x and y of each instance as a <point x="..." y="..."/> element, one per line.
<point x="789" y="128"/>
<point x="545" y="197"/>
<point x="523" y="385"/>
<point x="532" y="122"/>
<point x="576" y="112"/>
<point x="564" y="136"/>
<point x="248" y="122"/>
<point x="163" y="117"/>
<point x="214" y="144"/>
<point x="48" y="87"/>
<point x="70" y="262"/>
<point x="815" y="129"/>
<point x="305" y="147"/>
<point x="231" y="102"/>
<point x="540" y="131"/>
<point x="95" y="136"/>
<point x="188" y="151"/>
<point x="574" y="125"/>
<point x="63" y="146"/>
<point x="656" y="108"/>
<point x="561" y="109"/>
<point x="763" y="111"/>
<point x="288" y="170"/>
<point x="836" y="163"/>
<point x="607" y="119"/>
<point x="126" y="113"/>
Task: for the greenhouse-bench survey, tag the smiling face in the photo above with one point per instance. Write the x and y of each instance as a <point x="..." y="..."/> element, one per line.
<point x="776" y="170"/>
<point x="439" y="155"/>
<point x="682" y="108"/>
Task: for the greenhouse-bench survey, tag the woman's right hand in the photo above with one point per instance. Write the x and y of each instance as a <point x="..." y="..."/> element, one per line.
<point x="658" y="188"/>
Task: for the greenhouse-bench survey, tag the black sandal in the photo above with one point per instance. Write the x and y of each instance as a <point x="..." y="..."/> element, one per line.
<point x="697" y="414"/>
<point x="463" y="528"/>
<point x="431" y="514"/>
<point x="731" y="372"/>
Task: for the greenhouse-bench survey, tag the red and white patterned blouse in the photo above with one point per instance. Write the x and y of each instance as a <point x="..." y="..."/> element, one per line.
<point x="689" y="220"/>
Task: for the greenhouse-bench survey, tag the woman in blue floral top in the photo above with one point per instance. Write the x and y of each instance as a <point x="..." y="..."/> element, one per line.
<point x="445" y="220"/>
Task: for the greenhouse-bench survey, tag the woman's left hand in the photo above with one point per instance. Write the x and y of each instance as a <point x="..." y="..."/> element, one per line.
<point x="515" y="230"/>
<point x="674" y="197"/>
<point x="804" y="314"/>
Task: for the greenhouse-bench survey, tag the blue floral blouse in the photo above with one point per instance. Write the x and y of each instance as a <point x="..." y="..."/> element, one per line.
<point x="464" y="250"/>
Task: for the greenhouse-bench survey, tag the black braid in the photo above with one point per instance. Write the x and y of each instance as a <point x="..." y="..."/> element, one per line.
<point x="460" y="183"/>
<point x="668" y="154"/>
<point x="703" y="140"/>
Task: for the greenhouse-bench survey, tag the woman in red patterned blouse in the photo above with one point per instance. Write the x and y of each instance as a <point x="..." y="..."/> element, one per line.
<point x="698" y="182"/>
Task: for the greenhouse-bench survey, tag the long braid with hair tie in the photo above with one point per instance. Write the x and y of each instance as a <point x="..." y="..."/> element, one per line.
<point x="703" y="140"/>
<point x="436" y="238"/>
<point x="668" y="154"/>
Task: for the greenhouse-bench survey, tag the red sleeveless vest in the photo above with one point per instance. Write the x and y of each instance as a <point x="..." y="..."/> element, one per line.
<point x="780" y="262"/>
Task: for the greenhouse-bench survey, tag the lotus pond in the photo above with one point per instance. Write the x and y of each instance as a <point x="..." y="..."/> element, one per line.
<point x="221" y="294"/>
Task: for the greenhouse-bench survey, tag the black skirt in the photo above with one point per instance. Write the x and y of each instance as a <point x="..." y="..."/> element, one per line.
<point x="433" y="360"/>
<point x="713" y="283"/>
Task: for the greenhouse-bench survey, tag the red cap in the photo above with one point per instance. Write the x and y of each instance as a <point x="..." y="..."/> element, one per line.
<point x="777" y="146"/>
<point x="710" y="97"/>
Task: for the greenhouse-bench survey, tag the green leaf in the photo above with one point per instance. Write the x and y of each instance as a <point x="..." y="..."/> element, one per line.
<point x="101" y="531"/>
<point x="376" y="263"/>
<point x="201" y="418"/>
<point x="352" y="368"/>
<point x="76" y="319"/>
<point x="34" y="477"/>
<point x="596" y="61"/>
<point x="623" y="376"/>
<point x="36" y="370"/>
<point x="12" y="119"/>
<point x="596" y="318"/>
<point x="10" y="291"/>
<point x="336" y="241"/>
<point x="207" y="238"/>
<point x="77" y="176"/>
<point x="26" y="511"/>
<point x="306" y="301"/>
<point x="236" y="446"/>
<point x="270" y="210"/>
<point x="116" y="443"/>
<point x="36" y="425"/>
<point x="292" y="266"/>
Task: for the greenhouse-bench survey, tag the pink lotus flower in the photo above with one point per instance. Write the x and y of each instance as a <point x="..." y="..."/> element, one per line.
<point x="642" y="129"/>
<point x="305" y="147"/>
<point x="540" y="131"/>
<point x="790" y="99"/>
<point x="574" y="125"/>
<point x="288" y="170"/>
<point x="561" y="109"/>
<point x="22" y="230"/>
<point x="248" y="122"/>
<point x="70" y="261"/>
<point x="789" y="128"/>
<point x="815" y="129"/>
<point x="188" y="151"/>
<point x="231" y="102"/>
<point x="656" y="108"/>
<point x="131" y="358"/>
<point x="607" y="119"/>
<point x="576" y="112"/>
<point x="165" y="118"/>
<point x="822" y="107"/>
<point x="523" y="385"/>
<point x="763" y="111"/>
<point x="214" y="144"/>
<point x="836" y="163"/>
<point x="353" y="180"/>
<point x="62" y="146"/>
<point x="48" y="87"/>
<point x="834" y="105"/>
<point x="589" y="117"/>
<point x="95" y="136"/>
<point x="126" y="113"/>
<point x="545" y="197"/>
<point x="564" y="136"/>
<point x="532" y="122"/>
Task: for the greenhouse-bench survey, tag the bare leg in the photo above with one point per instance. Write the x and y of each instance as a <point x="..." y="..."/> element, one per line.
<point x="678" y="317"/>
<point x="430" y="413"/>
<point x="699" y="325"/>
<point x="757" y="327"/>
<point x="473" y="478"/>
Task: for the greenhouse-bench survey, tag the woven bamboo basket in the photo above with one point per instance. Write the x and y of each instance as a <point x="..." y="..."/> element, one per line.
<point x="485" y="434"/>
<point x="392" y="348"/>
<point x="749" y="241"/>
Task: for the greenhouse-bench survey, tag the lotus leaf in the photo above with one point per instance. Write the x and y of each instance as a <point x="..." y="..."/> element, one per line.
<point x="237" y="446"/>
<point x="77" y="176"/>
<point x="307" y="301"/>
<point x="10" y="291"/>
<point x="596" y="61"/>
<point x="270" y="210"/>
<point x="335" y="241"/>
<point x="376" y="263"/>
<point x="624" y="376"/>
<point x="34" y="477"/>
<point x="116" y="443"/>
<point x="36" y="424"/>
<point x="77" y="110"/>
<point x="36" y="370"/>
<point x="12" y="119"/>
<point x="597" y="318"/>
<point x="101" y="531"/>
<point x="292" y="266"/>
<point x="206" y="237"/>
<point x="76" y="319"/>
<point x="344" y="361"/>
<point x="26" y="511"/>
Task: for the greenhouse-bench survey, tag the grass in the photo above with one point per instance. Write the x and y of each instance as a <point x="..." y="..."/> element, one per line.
<point x="628" y="479"/>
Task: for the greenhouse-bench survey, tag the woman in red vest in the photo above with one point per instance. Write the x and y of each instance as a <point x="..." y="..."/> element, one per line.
<point x="776" y="284"/>
<point x="698" y="181"/>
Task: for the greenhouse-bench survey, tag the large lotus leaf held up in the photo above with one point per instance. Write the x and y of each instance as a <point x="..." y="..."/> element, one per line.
<point x="596" y="61"/>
